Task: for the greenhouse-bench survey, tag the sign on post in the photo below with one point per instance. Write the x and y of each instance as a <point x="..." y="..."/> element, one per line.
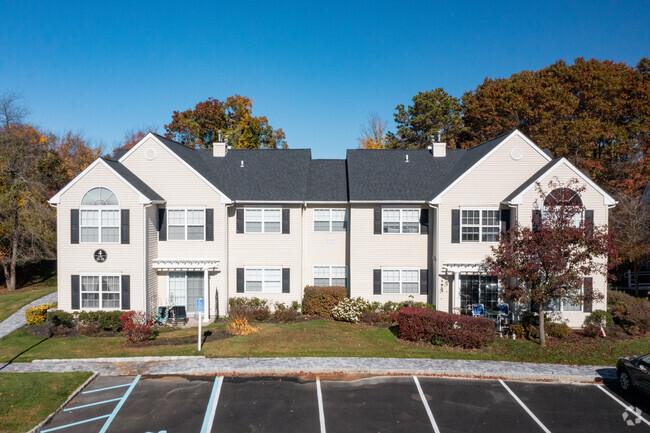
<point x="200" y="308"/>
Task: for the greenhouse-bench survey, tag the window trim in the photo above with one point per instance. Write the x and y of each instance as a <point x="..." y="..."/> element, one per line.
<point x="99" y="225"/>
<point x="263" y="209"/>
<point x="264" y="269"/>
<point x="480" y="223"/>
<point x="184" y="208"/>
<point x="313" y="274"/>
<point x="99" y="275"/>
<point x="400" y="269"/>
<point x="346" y="219"/>
<point x="400" y="209"/>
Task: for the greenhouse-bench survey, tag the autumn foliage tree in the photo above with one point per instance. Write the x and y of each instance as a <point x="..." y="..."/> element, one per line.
<point x="75" y="153"/>
<point x="200" y="126"/>
<point x="548" y="263"/>
<point x="373" y="134"/>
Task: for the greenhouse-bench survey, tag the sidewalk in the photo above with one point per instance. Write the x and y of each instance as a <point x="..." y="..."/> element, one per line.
<point x="198" y="365"/>
<point x="17" y="320"/>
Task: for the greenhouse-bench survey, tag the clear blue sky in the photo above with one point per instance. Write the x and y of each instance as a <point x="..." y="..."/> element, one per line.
<point x="316" y="70"/>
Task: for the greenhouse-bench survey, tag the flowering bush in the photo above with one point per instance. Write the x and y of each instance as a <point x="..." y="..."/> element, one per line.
<point x="240" y="326"/>
<point x="136" y="327"/>
<point x="37" y="315"/>
<point x="351" y="309"/>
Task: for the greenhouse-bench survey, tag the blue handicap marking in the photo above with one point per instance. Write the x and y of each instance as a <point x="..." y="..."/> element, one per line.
<point x="200" y="305"/>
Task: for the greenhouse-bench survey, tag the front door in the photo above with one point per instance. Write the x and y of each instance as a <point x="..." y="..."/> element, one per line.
<point x="478" y="289"/>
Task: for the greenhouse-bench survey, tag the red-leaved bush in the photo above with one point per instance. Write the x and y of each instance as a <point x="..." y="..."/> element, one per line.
<point x="424" y="324"/>
<point x="136" y="327"/>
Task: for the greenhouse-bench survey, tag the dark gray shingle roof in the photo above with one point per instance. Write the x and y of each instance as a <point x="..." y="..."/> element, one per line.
<point x="328" y="180"/>
<point x="134" y="180"/>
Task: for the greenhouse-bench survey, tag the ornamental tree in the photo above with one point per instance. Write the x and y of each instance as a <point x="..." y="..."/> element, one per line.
<point x="548" y="262"/>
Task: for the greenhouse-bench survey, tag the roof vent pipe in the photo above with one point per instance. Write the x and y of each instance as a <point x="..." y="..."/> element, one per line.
<point x="241" y="163"/>
<point x="406" y="158"/>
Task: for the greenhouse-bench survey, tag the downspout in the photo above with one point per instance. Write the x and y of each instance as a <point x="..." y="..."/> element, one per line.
<point x="302" y="248"/>
<point x="226" y="256"/>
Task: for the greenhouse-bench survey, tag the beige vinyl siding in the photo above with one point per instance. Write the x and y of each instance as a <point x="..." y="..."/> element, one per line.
<point x="182" y="188"/>
<point x="75" y="259"/>
<point x="152" y="253"/>
<point x="592" y="200"/>
<point x="323" y="248"/>
<point x="369" y="251"/>
<point x="267" y="250"/>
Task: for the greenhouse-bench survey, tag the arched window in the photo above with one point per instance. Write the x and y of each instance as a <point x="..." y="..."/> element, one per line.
<point x="100" y="216"/>
<point x="567" y="200"/>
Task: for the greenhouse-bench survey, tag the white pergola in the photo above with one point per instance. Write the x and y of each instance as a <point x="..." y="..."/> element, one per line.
<point x="205" y="265"/>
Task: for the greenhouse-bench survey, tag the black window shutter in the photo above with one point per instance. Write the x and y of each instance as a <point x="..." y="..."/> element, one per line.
<point x="74" y="226"/>
<point x="589" y="222"/>
<point x="376" y="282"/>
<point x="377" y="220"/>
<point x="286" y="228"/>
<point x="455" y="226"/>
<point x="240" y="220"/>
<point x="209" y="224"/>
<point x="126" y="292"/>
<point x="125" y="235"/>
<point x="286" y="280"/>
<point x="589" y="290"/>
<point x="424" y="221"/>
<point x="75" y="301"/>
<point x="240" y="280"/>
<point x="537" y="219"/>
<point x="162" y="224"/>
<point x="505" y="221"/>
<point x="424" y="281"/>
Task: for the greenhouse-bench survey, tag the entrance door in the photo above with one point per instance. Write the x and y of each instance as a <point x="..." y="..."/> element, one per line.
<point x="185" y="288"/>
<point x="478" y="289"/>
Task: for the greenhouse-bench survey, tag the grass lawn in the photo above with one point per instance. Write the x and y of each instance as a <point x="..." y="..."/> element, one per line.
<point x="318" y="338"/>
<point x="27" y="398"/>
<point x="10" y="302"/>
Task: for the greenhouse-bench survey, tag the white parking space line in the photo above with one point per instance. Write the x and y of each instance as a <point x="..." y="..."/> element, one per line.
<point x="321" y="411"/>
<point x="628" y="408"/>
<point x="426" y="405"/>
<point x="211" y="410"/>
<point x="521" y="403"/>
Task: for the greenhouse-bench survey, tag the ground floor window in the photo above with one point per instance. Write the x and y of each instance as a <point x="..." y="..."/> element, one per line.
<point x="100" y="291"/>
<point x="479" y="289"/>
<point x="263" y="280"/>
<point x="558" y="305"/>
<point x="400" y="280"/>
<point x="185" y="288"/>
<point x="330" y="276"/>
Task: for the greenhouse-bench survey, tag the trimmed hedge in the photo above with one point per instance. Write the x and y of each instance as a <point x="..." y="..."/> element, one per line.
<point x="437" y="327"/>
<point x="320" y="301"/>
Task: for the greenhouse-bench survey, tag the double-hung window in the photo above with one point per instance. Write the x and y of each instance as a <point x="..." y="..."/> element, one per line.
<point x="263" y="280"/>
<point x="186" y="224"/>
<point x="330" y="276"/>
<point x="400" y="280"/>
<point x="100" y="217"/>
<point x="401" y="220"/>
<point x="263" y="220"/>
<point x="100" y="292"/>
<point x="330" y="220"/>
<point x="480" y="225"/>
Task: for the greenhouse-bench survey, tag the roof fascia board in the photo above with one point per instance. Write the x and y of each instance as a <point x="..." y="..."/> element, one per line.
<point x="608" y="200"/>
<point x="389" y="201"/>
<point x="224" y="198"/>
<point x="327" y="202"/>
<point x="438" y="198"/>
<point x="267" y="201"/>
<point x="56" y="199"/>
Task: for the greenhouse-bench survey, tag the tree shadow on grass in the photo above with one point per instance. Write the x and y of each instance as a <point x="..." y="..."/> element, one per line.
<point x="23" y="352"/>
<point x="394" y="330"/>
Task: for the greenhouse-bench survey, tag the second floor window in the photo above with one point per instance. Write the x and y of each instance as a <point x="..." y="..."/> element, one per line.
<point x="100" y="216"/>
<point x="263" y="220"/>
<point x="401" y="220"/>
<point x="480" y="225"/>
<point x="186" y="224"/>
<point x="330" y="220"/>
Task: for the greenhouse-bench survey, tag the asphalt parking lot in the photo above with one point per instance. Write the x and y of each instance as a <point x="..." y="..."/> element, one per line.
<point x="204" y="404"/>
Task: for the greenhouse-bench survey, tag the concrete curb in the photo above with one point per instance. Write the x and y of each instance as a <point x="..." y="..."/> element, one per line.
<point x="123" y="359"/>
<point x="73" y="395"/>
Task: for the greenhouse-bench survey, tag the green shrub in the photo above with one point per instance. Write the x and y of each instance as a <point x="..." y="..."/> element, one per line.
<point x="320" y="301"/>
<point x="558" y="330"/>
<point x="107" y="320"/>
<point x="285" y="314"/>
<point x="391" y="307"/>
<point x="351" y="309"/>
<point x="37" y="315"/>
<point x="60" y="318"/>
<point x="599" y="318"/>
<point x="296" y="306"/>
